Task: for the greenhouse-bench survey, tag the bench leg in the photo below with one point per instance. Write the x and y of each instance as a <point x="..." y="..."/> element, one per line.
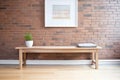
<point x="96" y="60"/>
<point x="24" y="59"/>
<point x="20" y="59"/>
<point x="93" y="58"/>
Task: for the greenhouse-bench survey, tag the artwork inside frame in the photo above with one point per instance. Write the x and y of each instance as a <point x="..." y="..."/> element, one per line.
<point x="61" y="13"/>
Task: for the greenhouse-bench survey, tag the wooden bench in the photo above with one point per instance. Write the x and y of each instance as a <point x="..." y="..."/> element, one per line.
<point x="57" y="49"/>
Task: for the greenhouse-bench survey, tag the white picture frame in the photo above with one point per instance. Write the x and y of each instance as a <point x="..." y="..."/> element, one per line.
<point x="61" y="13"/>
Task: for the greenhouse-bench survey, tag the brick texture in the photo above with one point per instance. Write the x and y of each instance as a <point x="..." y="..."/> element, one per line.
<point x="99" y="22"/>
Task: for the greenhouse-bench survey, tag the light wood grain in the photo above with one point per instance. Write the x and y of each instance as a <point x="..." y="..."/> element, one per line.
<point x="80" y="72"/>
<point x="57" y="49"/>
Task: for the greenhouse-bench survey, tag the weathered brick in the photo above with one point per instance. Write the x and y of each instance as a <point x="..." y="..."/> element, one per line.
<point x="87" y="15"/>
<point x="100" y="7"/>
<point x="114" y="1"/>
<point x="86" y="5"/>
<point x="98" y="22"/>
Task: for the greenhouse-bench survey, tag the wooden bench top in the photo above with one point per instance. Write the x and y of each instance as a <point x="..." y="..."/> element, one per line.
<point x="58" y="47"/>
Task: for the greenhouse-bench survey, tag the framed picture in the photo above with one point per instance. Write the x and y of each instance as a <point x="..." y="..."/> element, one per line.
<point x="61" y="13"/>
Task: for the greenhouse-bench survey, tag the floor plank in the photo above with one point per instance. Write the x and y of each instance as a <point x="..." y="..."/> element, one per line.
<point x="60" y="72"/>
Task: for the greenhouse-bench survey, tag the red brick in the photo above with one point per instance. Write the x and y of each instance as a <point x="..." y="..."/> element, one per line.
<point x="98" y="23"/>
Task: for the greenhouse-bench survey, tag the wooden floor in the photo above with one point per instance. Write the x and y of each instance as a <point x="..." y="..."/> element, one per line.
<point x="79" y="72"/>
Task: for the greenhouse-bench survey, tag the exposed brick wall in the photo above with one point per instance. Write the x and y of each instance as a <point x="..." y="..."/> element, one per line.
<point x="99" y="22"/>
